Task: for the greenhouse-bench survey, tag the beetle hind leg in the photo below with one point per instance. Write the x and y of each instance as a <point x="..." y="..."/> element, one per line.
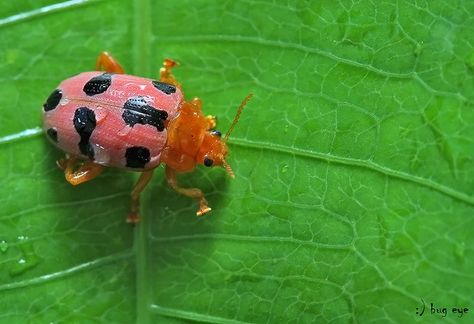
<point x="77" y="172"/>
<point x="106" y="62"/>
<point x="134" y="215"/>
<point x="190" y="192"/>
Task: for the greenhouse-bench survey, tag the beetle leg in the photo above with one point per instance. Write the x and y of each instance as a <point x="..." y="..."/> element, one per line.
<point x="190" y="192"/>
<point x="211" y="122"/>
<point x="197" y="102"/>
<point x="166" y="75"/>
<point x="88" y="170"/>
<point x="106" y="62"/>
<point x="142" y="182"/>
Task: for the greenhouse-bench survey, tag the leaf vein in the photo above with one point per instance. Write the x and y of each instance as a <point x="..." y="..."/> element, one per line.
<point x="177" y="313"/>
<point x="448" y="191"/>
<point x="57" y="7"/>
<point x="67" y="272"/>
<point x="27" y="133"/>
<point x="287" y="45"/>
<point x="256" y="239"/>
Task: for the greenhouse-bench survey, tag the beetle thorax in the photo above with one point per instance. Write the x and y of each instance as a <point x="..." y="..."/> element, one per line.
<point x="187" y="133"/>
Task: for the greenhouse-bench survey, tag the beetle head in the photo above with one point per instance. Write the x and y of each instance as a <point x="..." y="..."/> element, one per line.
<point x="213" y="150"/>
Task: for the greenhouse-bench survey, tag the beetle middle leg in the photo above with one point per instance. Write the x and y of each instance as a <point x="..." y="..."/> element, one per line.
<point x="134" y="215"/>
<point x="190" y="192"/>
<point x="166" y="75"/>
<point x="77" y="172"/>
<point x="108" y="63"/>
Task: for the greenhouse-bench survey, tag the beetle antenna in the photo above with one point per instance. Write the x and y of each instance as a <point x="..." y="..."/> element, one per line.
<point x="229" y="170"/>
<point x="237" y="116"/>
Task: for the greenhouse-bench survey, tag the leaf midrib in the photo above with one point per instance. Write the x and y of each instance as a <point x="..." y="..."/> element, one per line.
<point x="141" y="66"/>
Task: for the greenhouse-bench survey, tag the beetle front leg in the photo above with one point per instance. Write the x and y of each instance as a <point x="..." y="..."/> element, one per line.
<point x="190" y="192"/>
<point x="75" y="175"/>
<point x="106" y="62"/>
<point x="134" y="215"/>
<point x="211" y="119"/>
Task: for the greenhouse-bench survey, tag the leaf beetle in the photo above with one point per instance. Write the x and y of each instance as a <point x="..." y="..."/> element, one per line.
<point x="106" y="118"/>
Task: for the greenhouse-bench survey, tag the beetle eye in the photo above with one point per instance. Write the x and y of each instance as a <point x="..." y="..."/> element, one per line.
<point x="208" y="162"/>
<point x="216" y="133"/>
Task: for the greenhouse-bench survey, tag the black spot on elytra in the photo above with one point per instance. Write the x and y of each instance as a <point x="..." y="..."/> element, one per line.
<point x="137" y="111"/>
<point x="53" y="134"/>
<point x="98" y="84"/>
<point x="164" y="87"/>
<point x="137" y="157"/>
<point x="84" y="123"/>
<point x="53" y="100"/>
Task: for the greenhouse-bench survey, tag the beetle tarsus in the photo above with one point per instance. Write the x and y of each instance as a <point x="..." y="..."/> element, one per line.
<point x="166" y="75"/>
<point x="77" y="172"/>
<point x="189" y="192"/>
<point x="133" y="218"/>
<point x="203" y="210"/>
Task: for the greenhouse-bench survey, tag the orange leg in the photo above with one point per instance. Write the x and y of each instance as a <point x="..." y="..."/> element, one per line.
<point x="134" y="216"/>
<point x="77" y="172"/>
<point x="197" y="102"/>
<point x="211" y="120"/>
<point x="190" y="192"/>
<point x="166" y="75"/>
<point x="107" y="63"/>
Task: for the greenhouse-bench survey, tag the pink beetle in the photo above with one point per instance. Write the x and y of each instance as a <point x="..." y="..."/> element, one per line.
<point x="113" y="119"/>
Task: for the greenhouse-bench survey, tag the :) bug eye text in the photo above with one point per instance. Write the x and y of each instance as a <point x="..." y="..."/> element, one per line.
<point x="441" y="310"/>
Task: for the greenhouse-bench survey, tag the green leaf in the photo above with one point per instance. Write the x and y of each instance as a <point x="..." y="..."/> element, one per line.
<point x="354" y="192"/>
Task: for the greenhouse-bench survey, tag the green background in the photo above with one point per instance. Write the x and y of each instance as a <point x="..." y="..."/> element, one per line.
<point x="354" y="192"/>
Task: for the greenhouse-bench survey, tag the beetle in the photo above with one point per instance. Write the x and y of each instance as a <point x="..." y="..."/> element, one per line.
<point x="106" y="118"/>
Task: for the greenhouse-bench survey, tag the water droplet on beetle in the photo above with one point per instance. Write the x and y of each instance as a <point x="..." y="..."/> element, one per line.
<point x="124" y="131"/>
<point x="100" y="114"/>
<point x="101" y="155"/>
